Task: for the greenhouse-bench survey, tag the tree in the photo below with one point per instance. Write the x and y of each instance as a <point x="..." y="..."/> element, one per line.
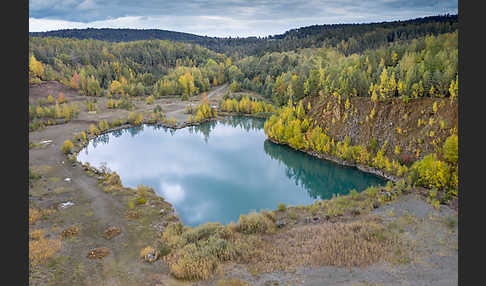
<point x="450" y="149"/>
<point x="35" y="67"/>
<point x="116" y="87"/>
<point x="75" y="80"/>
<point x="187" y="82"/>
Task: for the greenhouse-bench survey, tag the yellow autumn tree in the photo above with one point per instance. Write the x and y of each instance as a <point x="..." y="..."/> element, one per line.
<point x="35" y="67"/>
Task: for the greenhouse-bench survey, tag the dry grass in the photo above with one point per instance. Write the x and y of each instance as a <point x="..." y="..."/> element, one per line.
<point x="355" y="240"/>
<point x="70" y="231"/>
<point x="41" y="248"/>
<point x="132" y="214"/>
<point x="36" y="214"/>
<point x="113" y="182"/>
<point x="111" y="232"/>
<point x="196" y="252"/>
<point x="355" y="244"/>
<point x="344" y="244"/>
<point x="98" y="253"/>
<point x="36" y="234"/>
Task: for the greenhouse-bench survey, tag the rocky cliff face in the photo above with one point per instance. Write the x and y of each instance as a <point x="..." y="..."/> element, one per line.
<point x="412" y="129"/>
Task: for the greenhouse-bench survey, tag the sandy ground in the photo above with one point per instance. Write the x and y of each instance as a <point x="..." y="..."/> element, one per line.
<point x="433" y="241"/>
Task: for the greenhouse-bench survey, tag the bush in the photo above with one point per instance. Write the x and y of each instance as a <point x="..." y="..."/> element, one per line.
<point x="281" y="207"/>
<point x="254" y="223"/>
<point x="450" y="149"/>
<point x="373" y="145"/>
<point x="149" y="100"/>
<point x="199" y="260"/>
<point x="205" y="231"/>
<point x="196" y="252"/>
<point x="430" y="172"/>
<point x="67" y="147"/>
<point x="141" y="200"/>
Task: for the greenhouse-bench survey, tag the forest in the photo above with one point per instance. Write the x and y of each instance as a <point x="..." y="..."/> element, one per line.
<point x="140" y="68"/>
<point x="424" y="66"/>
<point x="348" y="38"/>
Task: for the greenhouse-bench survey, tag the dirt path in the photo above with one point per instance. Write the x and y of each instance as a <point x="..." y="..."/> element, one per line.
<point x="177" y="108"/>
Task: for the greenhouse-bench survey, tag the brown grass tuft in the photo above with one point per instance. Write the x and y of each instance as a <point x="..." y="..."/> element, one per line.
<point x="70" y="231"/>
<point x="132" y="214"/>
<point x="99" y="253"/>
<point x="111" y="232"/>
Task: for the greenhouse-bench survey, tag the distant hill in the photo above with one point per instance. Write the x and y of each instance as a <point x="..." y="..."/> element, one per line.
<point x="349" y="38"/>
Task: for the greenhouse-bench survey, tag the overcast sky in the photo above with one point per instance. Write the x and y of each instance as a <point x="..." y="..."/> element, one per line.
<point x="221" y="18"/>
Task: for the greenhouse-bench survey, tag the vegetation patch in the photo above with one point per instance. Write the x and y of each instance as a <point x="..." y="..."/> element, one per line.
<point x="42" y="248"/>
<point x="111" y="232"/>
<point x="37" y="214"/>
<point x="98" y="253"/>
<point x="70" y="231"/>
<point x="354" y="244"/>
<point x="148" y="254"/>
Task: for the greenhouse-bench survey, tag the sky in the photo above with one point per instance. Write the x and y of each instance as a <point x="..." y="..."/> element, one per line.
<point x="229" y="18"/>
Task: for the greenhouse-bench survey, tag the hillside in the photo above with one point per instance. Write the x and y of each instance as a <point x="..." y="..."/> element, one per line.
<point x="349" y="38"/>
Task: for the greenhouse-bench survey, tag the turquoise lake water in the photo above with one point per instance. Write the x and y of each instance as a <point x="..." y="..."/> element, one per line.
<point x="221" y="169"/>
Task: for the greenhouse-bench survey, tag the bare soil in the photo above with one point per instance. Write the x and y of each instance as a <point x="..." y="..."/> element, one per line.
<point x="90" y="211"/>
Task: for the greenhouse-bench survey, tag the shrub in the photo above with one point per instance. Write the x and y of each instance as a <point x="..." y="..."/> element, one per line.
<point x="149" y="100"/>
<point x="292" y="215"/>
<point x="205" y="231"/>
<point x="254" y="223"/>
<point x="199" y="260"/>
<point x="373" y="145"/>
<point x="67" y="147"/>
<point x="450" y="149"/>
<point x="430" y="172"/>
<point x="91" y="105"/>
<point x="93" y="130"/>
<point x="281" y="207"/>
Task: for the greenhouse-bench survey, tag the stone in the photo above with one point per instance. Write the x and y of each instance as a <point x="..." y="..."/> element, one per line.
<point x="66" y="204"/>
<point x="376" y="205"/>
<point x="307" y="219"/>
<point x="355" y="212"/>
<point x="316" y="219"/>
<point x="280" y="223"/>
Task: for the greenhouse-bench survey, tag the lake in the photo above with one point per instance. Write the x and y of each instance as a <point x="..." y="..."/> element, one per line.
<point x="220" y="169"/>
